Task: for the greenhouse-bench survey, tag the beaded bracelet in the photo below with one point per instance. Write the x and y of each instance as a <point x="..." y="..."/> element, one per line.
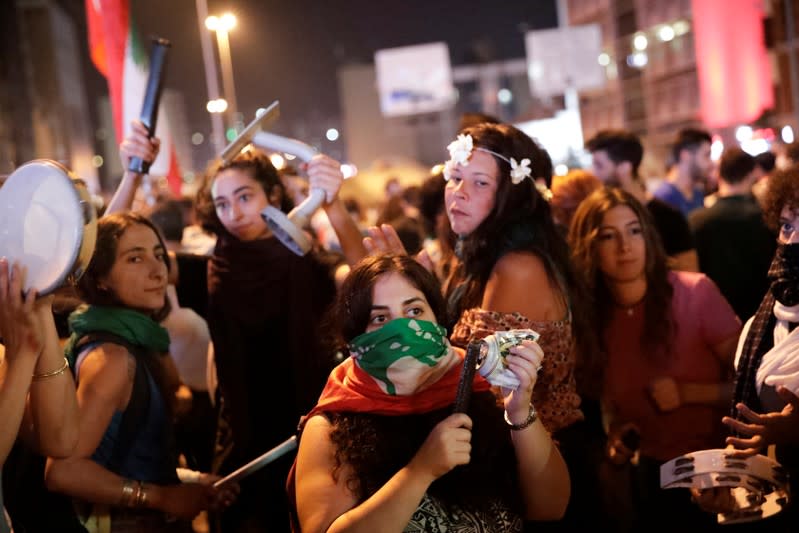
<point x="45" y="375"/>
<point x="531" y="418"/>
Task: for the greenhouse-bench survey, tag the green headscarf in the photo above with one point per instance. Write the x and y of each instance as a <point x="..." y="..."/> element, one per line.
<point x="135" y="327"/>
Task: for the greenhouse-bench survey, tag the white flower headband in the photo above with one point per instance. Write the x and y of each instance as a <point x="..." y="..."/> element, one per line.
<point x="460" y="150"/>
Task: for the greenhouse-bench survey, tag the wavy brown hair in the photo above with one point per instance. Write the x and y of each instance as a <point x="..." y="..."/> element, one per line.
<point x="583" y="239"/>
<point x="782" y="190"/>
<point x="110" y="229"/>
<point x="520" y="221"/>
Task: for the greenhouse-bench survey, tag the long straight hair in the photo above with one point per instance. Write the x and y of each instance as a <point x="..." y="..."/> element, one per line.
<point x="583" y="239"/>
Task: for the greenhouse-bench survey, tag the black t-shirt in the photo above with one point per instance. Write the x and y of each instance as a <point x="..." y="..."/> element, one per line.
<point x="735" y="249"/>
<point x="675" y="234"/>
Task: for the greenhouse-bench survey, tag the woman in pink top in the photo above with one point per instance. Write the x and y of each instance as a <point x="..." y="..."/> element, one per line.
<point x="668" y="339"/>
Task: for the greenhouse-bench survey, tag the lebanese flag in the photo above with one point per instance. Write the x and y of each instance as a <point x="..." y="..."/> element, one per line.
<point x="120" y="55"/>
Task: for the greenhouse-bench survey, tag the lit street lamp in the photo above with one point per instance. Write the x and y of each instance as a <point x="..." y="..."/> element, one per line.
<point x="221" y="26"/>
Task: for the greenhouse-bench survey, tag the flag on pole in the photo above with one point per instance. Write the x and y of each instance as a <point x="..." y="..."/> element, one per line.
<point x="119" y="53"/>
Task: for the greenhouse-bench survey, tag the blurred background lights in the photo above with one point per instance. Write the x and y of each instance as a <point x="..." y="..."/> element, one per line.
<point x="197" y="138"/>
<point x="681" y="27"/>
<point x="348" y="170"/>
<point x="716" y="148"/>
<point x="638" y="59"/>
<point x="743" y="133"/>
<point x="277" y="161"/>
<point x="561" y="170"/>
<point x="505" y="96"/>
<point x="666" y="33"/>
<point x="640" y="42"/>
<point x="604" y="59"/>
<point x="97" y="161"/>
<point x="216" y="106"/>
<point x="787" y="134"/>
<point x="331" y="134"/>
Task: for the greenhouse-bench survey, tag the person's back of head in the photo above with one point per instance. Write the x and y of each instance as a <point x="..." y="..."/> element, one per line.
<point x="766" y="162"/>
<point x="473" y="119"/>
<point x="620" y="146"/>
<point x="568" y="191"/>
<point x="689" y="139"/>
<point x="735" y="165"/>
<point x="168" y="217"/>
<point x="432" y="201"/>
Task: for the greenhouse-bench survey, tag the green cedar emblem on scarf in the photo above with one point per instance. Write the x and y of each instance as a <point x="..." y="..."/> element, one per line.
<point x="403" y="355"/>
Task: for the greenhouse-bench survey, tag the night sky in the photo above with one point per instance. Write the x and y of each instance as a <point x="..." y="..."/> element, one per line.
<point x="290" y="49"/>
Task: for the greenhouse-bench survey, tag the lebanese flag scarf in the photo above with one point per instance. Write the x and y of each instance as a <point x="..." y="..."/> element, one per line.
<point x="350" y="389"/>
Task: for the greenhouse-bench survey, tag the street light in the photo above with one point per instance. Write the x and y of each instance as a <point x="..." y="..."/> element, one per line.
<point x="221" y="26"/>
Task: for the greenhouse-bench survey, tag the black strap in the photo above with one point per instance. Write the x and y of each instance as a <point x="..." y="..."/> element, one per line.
<point x="135" y="413"/>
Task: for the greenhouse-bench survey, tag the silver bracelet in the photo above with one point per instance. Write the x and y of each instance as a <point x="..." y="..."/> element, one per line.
<point x="531" y="418"/>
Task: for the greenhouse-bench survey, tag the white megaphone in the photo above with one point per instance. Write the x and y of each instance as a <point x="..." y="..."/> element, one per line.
<point x="287" y="228"/>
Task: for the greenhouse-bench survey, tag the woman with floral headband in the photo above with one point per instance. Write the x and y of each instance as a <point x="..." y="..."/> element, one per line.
<point x="510" y="269"/>
<point x="383" y="451"/>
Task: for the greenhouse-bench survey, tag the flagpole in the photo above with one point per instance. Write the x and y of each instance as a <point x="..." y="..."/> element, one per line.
<point x="211" y="77"/>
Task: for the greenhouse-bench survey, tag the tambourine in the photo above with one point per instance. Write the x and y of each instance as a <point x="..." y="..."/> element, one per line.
<point x="47" y="224"/>
<point x="759" y="484"/>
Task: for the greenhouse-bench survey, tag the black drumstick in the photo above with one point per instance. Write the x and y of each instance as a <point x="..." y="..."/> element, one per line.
<point x="467" y="377"/>
<point x="152" y="96"/>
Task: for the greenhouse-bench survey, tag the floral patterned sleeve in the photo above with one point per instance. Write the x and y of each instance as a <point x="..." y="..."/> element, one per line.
<point x="555" y="394"/>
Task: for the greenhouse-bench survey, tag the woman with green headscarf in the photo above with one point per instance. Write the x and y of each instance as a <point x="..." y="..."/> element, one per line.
<point x="124" y="466"/>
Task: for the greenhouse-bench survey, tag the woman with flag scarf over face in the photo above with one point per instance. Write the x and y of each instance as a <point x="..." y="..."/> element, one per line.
<point x="382" y="449"/>
<point x="766" y="401"/>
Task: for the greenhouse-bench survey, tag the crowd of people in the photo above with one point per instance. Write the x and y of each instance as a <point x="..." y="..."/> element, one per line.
<point x="196" y="341"/>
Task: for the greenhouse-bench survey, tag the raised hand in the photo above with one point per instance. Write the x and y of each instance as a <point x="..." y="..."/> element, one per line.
<point x="20" y="326"/>
<point x="138" y="144"/>
<point x="448" y="445"/>
<point x="763" y="429"/>
<point x="383" y="240"/>
<point x="325" y="173"/>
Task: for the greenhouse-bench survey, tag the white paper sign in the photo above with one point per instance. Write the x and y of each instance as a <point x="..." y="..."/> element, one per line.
<point x="564" y="58"/>
<point x="414" y="79"/>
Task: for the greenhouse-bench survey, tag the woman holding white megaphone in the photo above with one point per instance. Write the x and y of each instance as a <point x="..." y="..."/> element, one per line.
<point x="264" y="302"/>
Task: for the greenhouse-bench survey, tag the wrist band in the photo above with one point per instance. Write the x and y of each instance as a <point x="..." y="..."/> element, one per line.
<point x="127" y="493"/>
<point x="141" y="495"/>
<point x="45" y="375"/>
<point x="531" y="417"/>
<point x="758" y="484"/>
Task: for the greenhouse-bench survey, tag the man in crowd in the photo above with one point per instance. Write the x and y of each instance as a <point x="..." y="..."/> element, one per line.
<point x="691" y="168"/>
<point x="617" y="155"/>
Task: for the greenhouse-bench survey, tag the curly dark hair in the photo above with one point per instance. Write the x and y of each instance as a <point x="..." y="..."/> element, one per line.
<point x="782" y="190"/>
<point x="377" y="446"/>
<point x="260" y="167"/>
<point x="658" y="322"/>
